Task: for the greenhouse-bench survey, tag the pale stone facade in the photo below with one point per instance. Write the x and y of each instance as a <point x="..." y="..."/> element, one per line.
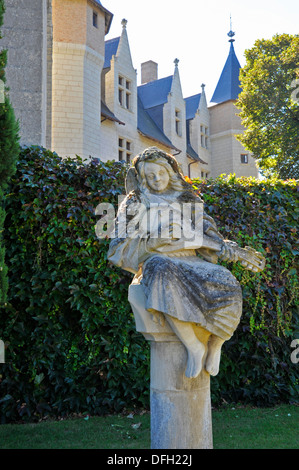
<point x="174" y="118"/>
<point x="76" y="93"/>
<point x="228" y="153"/>
<point x="121" y="78"/>
<point x="27" y="38"/>
<point x="78" y="58"/>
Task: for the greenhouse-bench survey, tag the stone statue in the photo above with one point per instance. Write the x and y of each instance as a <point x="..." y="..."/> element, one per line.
<point x="182" y="282"/>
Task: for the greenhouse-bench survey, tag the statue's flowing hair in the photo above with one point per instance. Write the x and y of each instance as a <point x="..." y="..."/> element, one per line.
<point x="177" y="181"/>
<point x="154" y="155"/>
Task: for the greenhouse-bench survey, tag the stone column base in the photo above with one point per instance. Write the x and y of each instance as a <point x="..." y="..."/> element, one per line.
<point x="180" y="407"/>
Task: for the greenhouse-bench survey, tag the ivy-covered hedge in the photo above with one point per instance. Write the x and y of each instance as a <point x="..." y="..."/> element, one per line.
<point x="71" y="344"/>
<point x="256" y="364"/>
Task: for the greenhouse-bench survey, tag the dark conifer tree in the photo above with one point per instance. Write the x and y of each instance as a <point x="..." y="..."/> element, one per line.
<point x="9" y="151"/>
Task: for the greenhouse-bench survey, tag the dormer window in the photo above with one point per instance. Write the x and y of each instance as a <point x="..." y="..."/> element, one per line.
<point x="95" y="19"/>
<point x="124" y="92"/>
<point x="204" y="134"/>
<point x="124" y="149"/>
<point x="178" y="122"/>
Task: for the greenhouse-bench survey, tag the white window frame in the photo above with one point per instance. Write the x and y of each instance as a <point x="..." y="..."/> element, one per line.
<point x="245" y="158"/>
<point x="178" y="122"/>
<point x="204" y="136"/>
<point x="125" y="92"/>
<point x="125" y="149"/>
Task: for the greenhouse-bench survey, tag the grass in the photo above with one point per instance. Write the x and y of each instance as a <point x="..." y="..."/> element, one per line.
<point x="233" y="428"/>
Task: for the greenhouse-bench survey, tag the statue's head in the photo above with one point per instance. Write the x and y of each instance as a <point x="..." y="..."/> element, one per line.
<point x="158" y="171"/>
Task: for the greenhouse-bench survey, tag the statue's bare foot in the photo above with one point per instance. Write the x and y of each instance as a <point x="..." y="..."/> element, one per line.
<point x="214" y="355"/>
<point x="194" y="363"/>
<point x="194" y="347"/>
<point x="157" y="317"/>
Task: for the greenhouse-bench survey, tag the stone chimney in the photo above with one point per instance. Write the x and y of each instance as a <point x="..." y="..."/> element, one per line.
<point x="149" y="71"/>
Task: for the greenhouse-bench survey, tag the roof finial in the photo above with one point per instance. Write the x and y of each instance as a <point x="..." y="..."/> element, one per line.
<point x="124" y="23"/>
<point x="176" y="62"/>
<point x="231" y="32"/>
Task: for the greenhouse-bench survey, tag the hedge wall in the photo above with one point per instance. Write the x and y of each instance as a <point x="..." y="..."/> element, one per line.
<point x="71" y="344"/>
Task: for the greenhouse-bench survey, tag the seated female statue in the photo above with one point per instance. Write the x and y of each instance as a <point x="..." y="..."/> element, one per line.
<point x="182" y="282"/>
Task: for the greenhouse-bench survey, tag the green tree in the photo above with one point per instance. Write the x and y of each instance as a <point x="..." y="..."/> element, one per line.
<point x="9" y="151"/>
<point x="269" y="104"/>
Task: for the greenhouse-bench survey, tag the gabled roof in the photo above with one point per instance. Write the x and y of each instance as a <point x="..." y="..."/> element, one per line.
<point x="192" y="104"/>
<point x="156" y="92"/>
<point x="111" y="47"/>
<point x="193" y="155"/>
<point x="149" y="128"/>
<point x="105" y="111"/>
<point x="108" y="15"/>
<point x="228" y="87"/>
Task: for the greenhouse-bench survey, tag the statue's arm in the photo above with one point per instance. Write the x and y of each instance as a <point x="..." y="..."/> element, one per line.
<point x="125" y="247"/>
<point x="228" y="250"/>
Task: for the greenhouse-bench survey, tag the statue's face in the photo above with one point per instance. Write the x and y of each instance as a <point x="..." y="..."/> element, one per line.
<point x="157" y="177"/>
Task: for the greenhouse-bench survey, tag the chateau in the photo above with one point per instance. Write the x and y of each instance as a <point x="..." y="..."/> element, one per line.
<point x="76" y="93"/>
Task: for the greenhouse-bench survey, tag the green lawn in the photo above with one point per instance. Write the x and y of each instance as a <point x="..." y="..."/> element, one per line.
<point x="233" y="428"/>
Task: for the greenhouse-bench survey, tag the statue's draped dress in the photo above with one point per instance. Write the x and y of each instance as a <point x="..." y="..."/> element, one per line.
<point x="184" y="285"/>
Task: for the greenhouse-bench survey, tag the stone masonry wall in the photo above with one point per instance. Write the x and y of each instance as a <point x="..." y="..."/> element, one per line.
<point x="78" y="57"/>
<point x="25" y="36"/>
<point x="226" y="150"/>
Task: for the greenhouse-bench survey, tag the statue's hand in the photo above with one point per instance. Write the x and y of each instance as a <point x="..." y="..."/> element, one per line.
<point x="252" y="260"/>
<point x="248" y="257"/>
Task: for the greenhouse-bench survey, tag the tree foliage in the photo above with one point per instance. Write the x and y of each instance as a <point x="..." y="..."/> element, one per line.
<point x="269" y="104"/>
<point x="70" y="334"/>
<point x="9" y="150"/>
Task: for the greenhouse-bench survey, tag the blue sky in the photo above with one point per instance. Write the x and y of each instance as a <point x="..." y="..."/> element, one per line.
<point x="195" y="31"/>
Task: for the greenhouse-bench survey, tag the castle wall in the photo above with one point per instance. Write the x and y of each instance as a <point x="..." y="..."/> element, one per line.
<point x="54" y="72"/>
<point x="121" y="76"/>
<point x="69" y="18"/>
<point x="78" y="58"/>
<point x="175" y="110"/>
<point x="226" y="150"/>
<point x="27" y="37"/>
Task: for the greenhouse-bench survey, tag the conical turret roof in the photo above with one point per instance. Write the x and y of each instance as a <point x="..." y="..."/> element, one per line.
<point x="228" y="86"/>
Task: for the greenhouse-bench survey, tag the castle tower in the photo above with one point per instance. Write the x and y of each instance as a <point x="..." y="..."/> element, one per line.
<point x="228" y="154"/>
<point x="79" y="28"/>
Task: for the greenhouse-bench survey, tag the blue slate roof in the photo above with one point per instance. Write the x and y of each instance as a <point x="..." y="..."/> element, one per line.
<point x="192" y="103"/>
<point x="105" y="111"/>
<point x="155" y="93"/>
<point x="228" y="87"/>
<point x="193" y="155"/>
<point x="111" y="47"/>
<point x="149" y="128"/>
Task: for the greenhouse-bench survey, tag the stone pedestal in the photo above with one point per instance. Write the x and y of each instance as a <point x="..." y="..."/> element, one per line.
<point x="180" y="407"/>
